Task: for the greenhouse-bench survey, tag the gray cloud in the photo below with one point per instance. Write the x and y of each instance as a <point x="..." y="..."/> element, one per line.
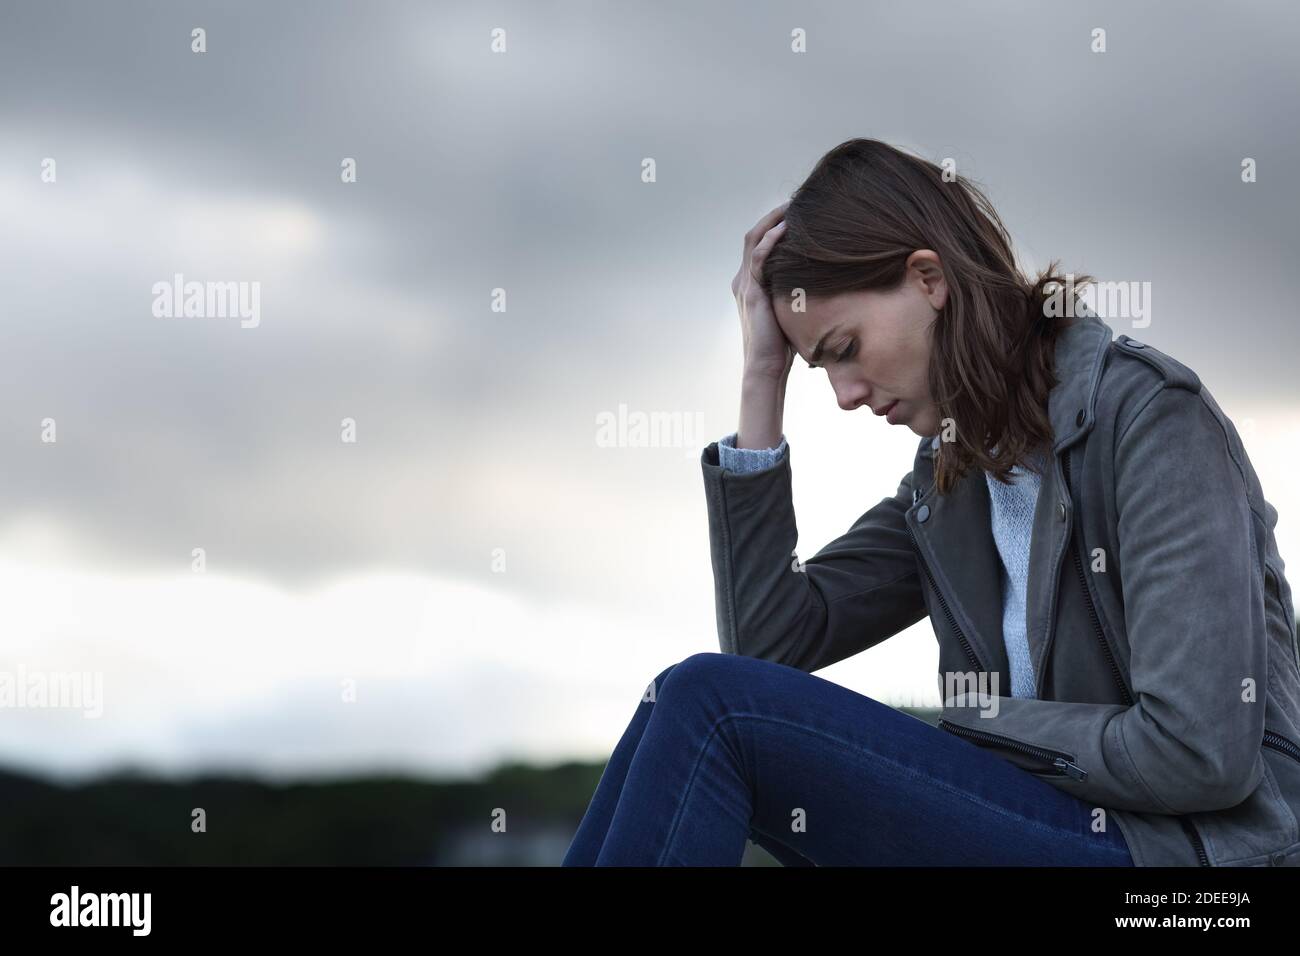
<point x="521" y="171"/>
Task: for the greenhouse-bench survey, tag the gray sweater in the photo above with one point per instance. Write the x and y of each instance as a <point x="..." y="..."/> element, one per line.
<point x="1012" y="513"/>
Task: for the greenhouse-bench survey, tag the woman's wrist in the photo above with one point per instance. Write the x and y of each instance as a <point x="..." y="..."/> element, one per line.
<point x="762" y="407"/>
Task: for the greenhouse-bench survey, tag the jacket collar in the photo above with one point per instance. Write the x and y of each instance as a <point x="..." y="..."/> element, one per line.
<point x="1080" y="356"/>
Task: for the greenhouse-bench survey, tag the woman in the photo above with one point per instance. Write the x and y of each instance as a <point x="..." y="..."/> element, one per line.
<point x="1117" y="644"/>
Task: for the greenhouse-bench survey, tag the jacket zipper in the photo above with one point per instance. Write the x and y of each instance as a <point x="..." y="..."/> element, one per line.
<point x="1278" y="742"/>
<point x="1189" y="828"/>
<point x="1062" y="763"/>
<point x="947" y="611"/>
<point x="1092" y="610"/>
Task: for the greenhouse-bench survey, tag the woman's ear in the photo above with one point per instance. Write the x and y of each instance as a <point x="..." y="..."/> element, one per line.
<point x="925" y="268"/>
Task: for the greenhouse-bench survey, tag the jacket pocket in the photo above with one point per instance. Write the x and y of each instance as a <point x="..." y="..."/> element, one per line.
<point x="1039" y="760"/>
<point x="1263" y="825"/>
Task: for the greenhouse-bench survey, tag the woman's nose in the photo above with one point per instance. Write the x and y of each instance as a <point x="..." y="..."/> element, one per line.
<point x="850" y="396"/>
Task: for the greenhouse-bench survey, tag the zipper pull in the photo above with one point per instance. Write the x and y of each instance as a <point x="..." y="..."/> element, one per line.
<point x="1073" y="769"/>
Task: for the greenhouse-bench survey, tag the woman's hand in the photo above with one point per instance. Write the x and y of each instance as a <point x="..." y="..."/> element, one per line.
<point x="768" y="354"/>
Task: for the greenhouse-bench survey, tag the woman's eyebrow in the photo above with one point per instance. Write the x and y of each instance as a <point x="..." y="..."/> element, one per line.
<point x="821" y="345"/>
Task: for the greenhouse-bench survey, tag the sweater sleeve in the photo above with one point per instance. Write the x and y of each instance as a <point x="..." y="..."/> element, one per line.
<point x="746" y="460"/>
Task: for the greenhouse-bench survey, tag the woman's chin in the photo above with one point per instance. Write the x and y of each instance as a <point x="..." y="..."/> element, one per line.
<point x="923" y="425"/>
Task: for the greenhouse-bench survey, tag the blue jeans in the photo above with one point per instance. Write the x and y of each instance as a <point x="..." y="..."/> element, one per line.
<point x="735" y="748"/>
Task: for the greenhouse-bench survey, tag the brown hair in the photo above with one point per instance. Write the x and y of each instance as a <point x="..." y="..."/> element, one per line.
<point x="852" y="224"/>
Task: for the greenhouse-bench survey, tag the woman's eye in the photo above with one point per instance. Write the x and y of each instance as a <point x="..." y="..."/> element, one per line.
<point x="846" y="353"/>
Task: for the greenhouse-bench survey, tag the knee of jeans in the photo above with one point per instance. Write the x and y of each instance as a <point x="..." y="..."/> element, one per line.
<point x="697" y="669"/>
<point x="651" y="693"/>
<point x="707" y="668"/>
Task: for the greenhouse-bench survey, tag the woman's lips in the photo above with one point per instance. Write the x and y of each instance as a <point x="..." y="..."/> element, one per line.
<point x="889" y="413"/>
<point x="888" y="408"/>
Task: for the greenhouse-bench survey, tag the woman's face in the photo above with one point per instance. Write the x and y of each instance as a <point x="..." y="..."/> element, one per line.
<point x="875" y="345"/>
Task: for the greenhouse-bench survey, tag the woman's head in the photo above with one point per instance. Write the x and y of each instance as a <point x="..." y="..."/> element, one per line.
<point x="907" y="279"/>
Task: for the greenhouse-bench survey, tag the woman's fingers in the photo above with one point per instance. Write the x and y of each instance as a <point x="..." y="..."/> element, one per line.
<point x="758" y="242"/>
<point x="761" y="227"/>
<point x="759" y="255"/>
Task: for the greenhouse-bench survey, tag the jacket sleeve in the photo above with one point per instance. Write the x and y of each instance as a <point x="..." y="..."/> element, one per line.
<point x="1193" y="607"/>
<point x="856" y="591"/>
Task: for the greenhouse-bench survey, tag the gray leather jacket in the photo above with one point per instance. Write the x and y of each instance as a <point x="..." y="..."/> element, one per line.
<point x="1160" y="622"/>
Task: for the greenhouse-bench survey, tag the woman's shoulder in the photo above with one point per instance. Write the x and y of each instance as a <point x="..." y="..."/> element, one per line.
<point x="1133" y="373"/>
<point x="1135" y="357"/>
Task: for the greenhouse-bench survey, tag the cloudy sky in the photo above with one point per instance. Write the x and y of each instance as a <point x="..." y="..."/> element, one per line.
<point x="483" y="576"/>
